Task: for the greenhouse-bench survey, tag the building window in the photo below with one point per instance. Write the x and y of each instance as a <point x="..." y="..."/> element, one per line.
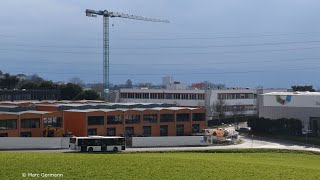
<point x="30" y="123"/>
<point x="193" y="96"/>
<point x="25" y="134"/>
<point x="183" y="117"/>
<point x="184" y="96"/>
<point x="147" y="130"/>
<point x="176" y="96"/>
<point x="52" y="121"/>
<point x="132" y="119"/>
<point x="138" y="95"/>
<point x="153" y="96"/>
<point x="201" y="96"/>
<point x="161" y="96"/>
<point x="163" y="130"/>
<point x="3" y="134"/>
<point x="237" y="96"/>
<point x="180" y="130"/>
<point x="169" y="96"/>
<point x="198" y="117"/>
<point x="92" y="132"/>
<point x="8" y="124"/>
<point x="166" y="117"/>
<point x="111" y="131"/>
<point x="195" y="128"/>
<point x="95" y="120"/>
<point x="129" y="131"/>
<point x="145" y="95"/>
<point x="130" y="95"/>
<point x="114" y="119"/>
<point x="124" y="95"/>
<point x="150" y="118"/>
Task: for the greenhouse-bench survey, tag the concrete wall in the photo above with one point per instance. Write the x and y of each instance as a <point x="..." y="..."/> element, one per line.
<point x="10" y="143"/>
<point x="168" y="141"/>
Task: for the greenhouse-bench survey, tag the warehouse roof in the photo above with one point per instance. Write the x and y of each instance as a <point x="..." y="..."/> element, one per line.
<point x="26" y="112"/>
<point x="134" y="109"/>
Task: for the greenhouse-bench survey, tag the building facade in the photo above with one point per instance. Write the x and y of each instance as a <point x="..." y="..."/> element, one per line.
<point x="173" y="121"/>
<point x="18" y="95"/>
<point x="304" y="106"/>
<point x="235" y="100"/>
<point x="105" y="119"/>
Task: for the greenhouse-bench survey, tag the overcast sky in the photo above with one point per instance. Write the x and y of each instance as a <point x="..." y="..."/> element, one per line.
<point x="245" y="43"/>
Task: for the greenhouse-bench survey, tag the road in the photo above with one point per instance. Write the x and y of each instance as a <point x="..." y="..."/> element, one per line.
<point x="248" y="143"/>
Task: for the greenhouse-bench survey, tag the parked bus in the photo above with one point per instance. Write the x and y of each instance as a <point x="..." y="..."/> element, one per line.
<point x="97" y="143"/>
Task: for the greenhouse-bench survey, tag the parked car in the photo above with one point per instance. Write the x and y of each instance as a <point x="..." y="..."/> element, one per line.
<point x="244" y="130"/>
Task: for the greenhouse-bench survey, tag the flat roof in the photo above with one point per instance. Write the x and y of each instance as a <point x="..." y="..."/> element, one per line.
<point x="298" y="93"/>
<point x="97" y="104"/>
<point x="9" y="106"/>
<point x="99" y="137"/>
<point x="133" y="109"/>
<point x="26" y="112"/>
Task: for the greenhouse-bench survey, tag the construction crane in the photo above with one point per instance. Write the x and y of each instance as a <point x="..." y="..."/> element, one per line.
<point x="106" y="14"/>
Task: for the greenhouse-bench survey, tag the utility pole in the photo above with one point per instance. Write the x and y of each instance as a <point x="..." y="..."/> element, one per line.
<point x="106" y="14"/>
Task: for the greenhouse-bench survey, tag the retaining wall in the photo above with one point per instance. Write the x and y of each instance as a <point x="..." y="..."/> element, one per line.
<point x="168" y="141"/>
<point x="10" y="143"/>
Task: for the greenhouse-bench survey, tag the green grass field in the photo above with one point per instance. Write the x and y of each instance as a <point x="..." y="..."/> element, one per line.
<point x="169" y="165"/>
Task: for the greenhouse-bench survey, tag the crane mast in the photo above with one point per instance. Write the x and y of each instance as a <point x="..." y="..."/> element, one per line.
<point x="106" y="14"/>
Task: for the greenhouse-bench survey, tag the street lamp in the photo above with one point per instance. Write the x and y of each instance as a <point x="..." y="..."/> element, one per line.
<point x="235" y="117"/>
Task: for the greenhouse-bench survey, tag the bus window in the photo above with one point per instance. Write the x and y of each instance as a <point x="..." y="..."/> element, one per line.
<point x="80" y="142"/>
<point x="73" y="140"/>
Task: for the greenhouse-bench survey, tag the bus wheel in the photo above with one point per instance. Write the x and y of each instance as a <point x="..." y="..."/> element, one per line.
<point x="90" y="149"/>
<point x="115" y="149"/>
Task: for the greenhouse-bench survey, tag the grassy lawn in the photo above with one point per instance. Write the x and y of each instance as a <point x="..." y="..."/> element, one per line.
<point x="170" y="165"/>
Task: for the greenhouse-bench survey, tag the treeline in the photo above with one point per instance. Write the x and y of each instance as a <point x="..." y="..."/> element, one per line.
<point x="303" y="88"/>
<point x="68" y="91"/>
<point x="279" y="126"/>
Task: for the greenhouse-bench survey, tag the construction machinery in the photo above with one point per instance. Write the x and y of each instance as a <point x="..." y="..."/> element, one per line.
<point x="50" y="131"/>
<point x="106" y="14"/>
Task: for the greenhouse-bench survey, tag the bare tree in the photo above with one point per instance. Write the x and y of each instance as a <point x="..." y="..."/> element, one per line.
<point x="77" y="81"/>
<point x="239" y="109"/>
<point x="218" y="108"/>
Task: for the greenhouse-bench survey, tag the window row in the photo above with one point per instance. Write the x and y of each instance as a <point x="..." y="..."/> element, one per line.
<point x="147" y="130"/>
<point x="162" y="96"/>
<point x="237" y="96"/>
<point x="146" y="118"/>
<point x="31" y="123"/>
<point x="238" y="108"/>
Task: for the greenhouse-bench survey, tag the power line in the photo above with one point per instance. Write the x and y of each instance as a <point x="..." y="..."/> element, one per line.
<point x="249" y="35"/>
<point x="185" y="73"/>
<point x="172" y="47"/>
<point x="178" y="64"/>
<point x="162" y="53"/>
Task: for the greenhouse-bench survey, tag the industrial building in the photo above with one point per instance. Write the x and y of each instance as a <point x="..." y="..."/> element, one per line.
<point x="84" y="118"/>
<point x="304" y="106"/>
<point x="239" y="98"/>
<point x="18" y="95"/>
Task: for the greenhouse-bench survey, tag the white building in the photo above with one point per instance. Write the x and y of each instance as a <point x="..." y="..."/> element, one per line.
<point x="167" y="80"/>
<point x="304" y="106"/>
<point x="235" y="100"/>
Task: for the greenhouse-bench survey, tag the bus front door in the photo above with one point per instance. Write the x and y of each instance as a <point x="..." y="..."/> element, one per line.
<point x="103" y="147"/>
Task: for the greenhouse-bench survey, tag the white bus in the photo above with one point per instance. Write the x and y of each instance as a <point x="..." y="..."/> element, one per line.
<point x="98" y="143"/>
